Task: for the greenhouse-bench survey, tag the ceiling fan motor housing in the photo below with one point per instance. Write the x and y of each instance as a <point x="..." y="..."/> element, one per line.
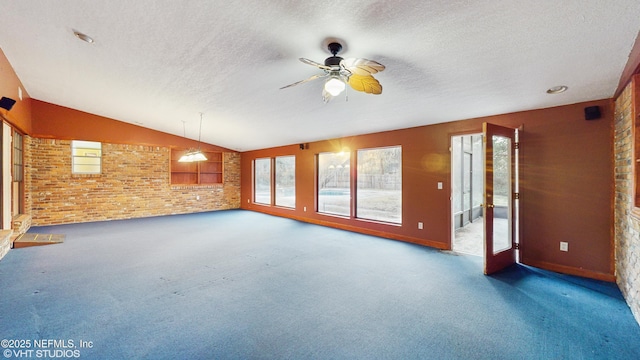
<point x="334" y="60"/>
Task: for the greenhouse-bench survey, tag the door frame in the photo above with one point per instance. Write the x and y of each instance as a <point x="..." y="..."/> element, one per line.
<point x="452" y="180"/>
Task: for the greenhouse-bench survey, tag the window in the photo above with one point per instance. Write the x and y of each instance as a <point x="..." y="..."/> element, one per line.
<point x="334" y="183"/>
<point x="86" y="157"/>
<point x="17" y="158"/>
<point x="18" y="174"/>
<point x="209" y="171"/>
<point x="262" y="181"/>
<point x="286" y="181"/>
<point x="379" y="186"/>
<point x="635" y="124"/>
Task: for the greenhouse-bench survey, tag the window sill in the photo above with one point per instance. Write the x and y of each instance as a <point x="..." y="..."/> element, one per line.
<point x="85" y="175"/>
<point x="284" y="207"/>
<point x="194" y="186"/>
<point x="379" y="222"/>
<point x="334" y="215"/>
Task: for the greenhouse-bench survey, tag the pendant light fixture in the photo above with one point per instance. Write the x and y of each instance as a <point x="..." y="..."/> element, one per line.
<point x="193" y="155"/>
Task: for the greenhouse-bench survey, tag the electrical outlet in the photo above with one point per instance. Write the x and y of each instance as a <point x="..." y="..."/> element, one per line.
<point x="197" y="197"/>
<point x="564" y="246"/>
<point x="420" y="226"/>
<point x="304" y="209"/>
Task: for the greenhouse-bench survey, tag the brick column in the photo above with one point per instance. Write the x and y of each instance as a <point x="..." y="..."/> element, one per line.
<point x="627" y="225"/>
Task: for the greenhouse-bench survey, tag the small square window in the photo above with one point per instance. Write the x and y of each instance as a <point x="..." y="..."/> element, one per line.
<point x="86" y="157"/>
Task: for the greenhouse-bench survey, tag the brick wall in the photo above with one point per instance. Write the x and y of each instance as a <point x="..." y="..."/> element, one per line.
<point x="627" y="226"/>
<point x="134" y="183"/>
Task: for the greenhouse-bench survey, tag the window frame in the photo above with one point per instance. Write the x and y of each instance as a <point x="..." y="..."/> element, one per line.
<point x="17" y="157"/>
<point x="269" y="177"/>
<point x="635" y="128"/>
<point x="276" y="185"/>
<point x="357" y="196"/>
<point x="350" y="176"/>
<point x="85" y="145"/>
<point x="17" y="170"/>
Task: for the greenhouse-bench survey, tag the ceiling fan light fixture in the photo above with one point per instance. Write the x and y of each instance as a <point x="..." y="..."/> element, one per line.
<point x="334" y="86"/>
<point x="339" y="72"/>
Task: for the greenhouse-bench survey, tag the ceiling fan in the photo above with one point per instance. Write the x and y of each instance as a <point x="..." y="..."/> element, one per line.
<point x="356" y="72"/>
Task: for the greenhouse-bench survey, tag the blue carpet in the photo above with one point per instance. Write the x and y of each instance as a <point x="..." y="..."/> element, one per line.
<point x="243" y="285"/>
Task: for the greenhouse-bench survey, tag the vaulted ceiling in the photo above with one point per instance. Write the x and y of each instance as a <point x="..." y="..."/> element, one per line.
<point x="158" y="63"/>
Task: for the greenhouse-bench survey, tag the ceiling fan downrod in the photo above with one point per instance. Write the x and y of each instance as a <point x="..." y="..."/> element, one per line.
<point x="334" y="48"/>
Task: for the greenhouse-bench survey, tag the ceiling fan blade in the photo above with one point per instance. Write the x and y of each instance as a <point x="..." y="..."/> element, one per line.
<point x="316" y="64"/>
<point x="367" y="84"/>
<point x="304" y="81"/>
<point x="362" y="66"/>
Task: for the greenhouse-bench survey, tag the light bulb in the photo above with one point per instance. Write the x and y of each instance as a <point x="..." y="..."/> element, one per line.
<point x="199" y="156"/>
<point x="334" y="86"/>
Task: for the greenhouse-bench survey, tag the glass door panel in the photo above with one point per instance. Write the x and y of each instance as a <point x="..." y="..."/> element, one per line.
<point x="501" y="193"/>
<point x="499" y="188"/>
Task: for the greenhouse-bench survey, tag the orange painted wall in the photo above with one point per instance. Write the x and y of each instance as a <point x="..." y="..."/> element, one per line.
<point x="20" y="115"/>
<point x="52" y="121"/>
<point x="566" y="177"/>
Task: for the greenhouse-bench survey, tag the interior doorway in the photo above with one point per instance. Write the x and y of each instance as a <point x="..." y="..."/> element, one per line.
<point x="467" y="179"/>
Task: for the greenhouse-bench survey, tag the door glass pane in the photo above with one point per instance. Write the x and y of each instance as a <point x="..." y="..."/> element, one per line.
<point x="334" y="183"/>
<point x="501" y="193"/>
<point x="466" y="181"/>
<point x="477" y="174"/>
<point x="456" y="144"/>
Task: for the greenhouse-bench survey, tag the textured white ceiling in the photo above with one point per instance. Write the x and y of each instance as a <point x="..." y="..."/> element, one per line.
<point x="157" y="63"/>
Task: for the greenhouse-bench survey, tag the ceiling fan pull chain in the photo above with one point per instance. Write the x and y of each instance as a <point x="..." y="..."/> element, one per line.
<point x="346" y="94"/>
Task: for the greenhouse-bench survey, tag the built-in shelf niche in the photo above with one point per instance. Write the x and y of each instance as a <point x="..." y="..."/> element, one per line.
<point x="205" y="172"/>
